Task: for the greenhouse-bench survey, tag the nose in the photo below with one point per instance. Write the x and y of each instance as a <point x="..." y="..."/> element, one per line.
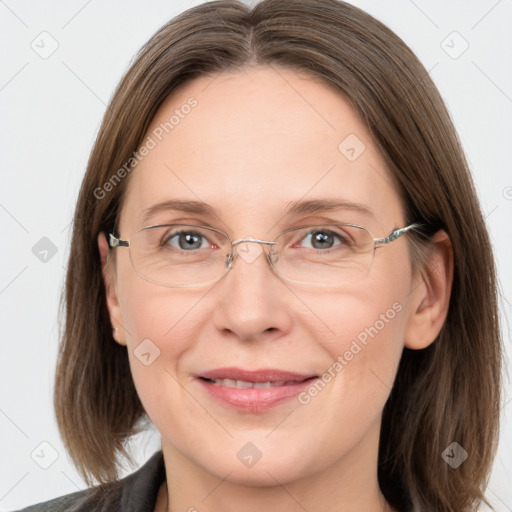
<point x="251" y="297"/>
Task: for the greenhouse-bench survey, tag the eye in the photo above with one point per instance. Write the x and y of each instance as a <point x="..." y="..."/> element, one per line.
<point x="186" y="240"/>
<point x="325" y="239"/>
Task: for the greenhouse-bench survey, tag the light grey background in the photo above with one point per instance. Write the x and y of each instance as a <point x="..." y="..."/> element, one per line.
<point x="51" y="109"/>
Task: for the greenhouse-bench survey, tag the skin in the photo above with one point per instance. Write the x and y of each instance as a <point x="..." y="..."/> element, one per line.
<point x="258" y="139"/>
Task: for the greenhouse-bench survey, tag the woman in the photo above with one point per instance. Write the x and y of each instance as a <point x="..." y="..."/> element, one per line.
<point x="278" y="257"/>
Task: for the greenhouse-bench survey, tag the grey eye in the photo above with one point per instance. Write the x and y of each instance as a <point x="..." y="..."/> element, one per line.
<point x="187" y="240"/>
<point x="323" y="239"/>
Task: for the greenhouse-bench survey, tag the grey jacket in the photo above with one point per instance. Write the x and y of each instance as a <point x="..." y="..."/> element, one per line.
<point x="135" y="493"/>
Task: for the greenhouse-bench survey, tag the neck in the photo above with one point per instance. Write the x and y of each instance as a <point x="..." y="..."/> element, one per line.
<point x="349" y="484"/>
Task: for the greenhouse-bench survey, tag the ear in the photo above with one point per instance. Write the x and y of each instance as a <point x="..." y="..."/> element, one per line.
<point x="431" y="294"/>
<point x="109" y="278"/>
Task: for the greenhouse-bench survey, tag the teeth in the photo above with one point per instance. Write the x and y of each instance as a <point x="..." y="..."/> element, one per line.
<point x="242" y="384"/>
<point x="261" y="385"/>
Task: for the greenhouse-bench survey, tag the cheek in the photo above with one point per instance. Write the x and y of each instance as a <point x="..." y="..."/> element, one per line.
<point x="369" y="357"/>
<point x="161" y="325"/>
<point x="364" y="343"/>
<point x="370" y="335"/>
<point x="156" y="313"/>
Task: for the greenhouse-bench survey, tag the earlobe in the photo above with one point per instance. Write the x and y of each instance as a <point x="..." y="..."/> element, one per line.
<point x="431" y="295"/>
<point x="117" y="337"/>
<point x="113" y="306"/>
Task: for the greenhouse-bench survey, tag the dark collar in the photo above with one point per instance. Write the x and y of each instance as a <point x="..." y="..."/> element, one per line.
<point x="140" y="489"/>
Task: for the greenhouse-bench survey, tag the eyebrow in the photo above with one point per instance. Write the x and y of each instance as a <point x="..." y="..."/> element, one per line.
<point x="181" y="205"/>
<point x="312" y="206"/>
<point x="294" y="208"/>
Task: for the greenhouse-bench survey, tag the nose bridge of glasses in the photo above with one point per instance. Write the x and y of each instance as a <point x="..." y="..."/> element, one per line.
<point x="247" y="257"/>
<point x="251" y="239"/>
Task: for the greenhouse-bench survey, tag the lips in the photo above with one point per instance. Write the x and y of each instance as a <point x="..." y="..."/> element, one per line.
<point x="264" y="375"/>
<point x="244" y="384"/>
<point x="253" y="390"/>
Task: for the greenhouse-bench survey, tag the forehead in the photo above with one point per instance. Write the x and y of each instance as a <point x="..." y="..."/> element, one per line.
<point x="254" y="140"/>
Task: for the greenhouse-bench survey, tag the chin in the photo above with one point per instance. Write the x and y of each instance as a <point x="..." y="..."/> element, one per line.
<point x="256" y="464"/>
<point x="262" y="474"/>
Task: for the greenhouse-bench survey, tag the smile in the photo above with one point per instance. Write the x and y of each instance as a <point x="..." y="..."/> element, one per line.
<point x="242" y="384"/>
<point x="252" y="390"/>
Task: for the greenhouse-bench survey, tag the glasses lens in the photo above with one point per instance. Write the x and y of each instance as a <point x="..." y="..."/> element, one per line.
<point x="183" y="255"/>
<point x="327" y="255"/>
<point x="179" y="254"/>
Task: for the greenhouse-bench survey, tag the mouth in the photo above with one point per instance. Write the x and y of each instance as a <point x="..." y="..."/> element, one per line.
<point x="253" y="390"/>
<point x="243" y="384"/>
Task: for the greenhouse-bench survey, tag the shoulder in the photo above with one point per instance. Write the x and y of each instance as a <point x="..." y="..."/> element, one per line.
<point x="136" y="492"/>
<point x="81" y="501"/>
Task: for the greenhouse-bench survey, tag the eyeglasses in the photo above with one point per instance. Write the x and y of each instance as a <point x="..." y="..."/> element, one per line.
<point x="187" y="255"/>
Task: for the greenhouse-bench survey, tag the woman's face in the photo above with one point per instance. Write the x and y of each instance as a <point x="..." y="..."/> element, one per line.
<point x="255" y="142"/>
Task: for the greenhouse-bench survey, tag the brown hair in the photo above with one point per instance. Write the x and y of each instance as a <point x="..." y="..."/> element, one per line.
<point x="447" y="392"/>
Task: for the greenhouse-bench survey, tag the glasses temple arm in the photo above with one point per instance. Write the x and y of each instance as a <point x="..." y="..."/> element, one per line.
<point x="396" y="233"/>
<point x="113" y="241"/>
